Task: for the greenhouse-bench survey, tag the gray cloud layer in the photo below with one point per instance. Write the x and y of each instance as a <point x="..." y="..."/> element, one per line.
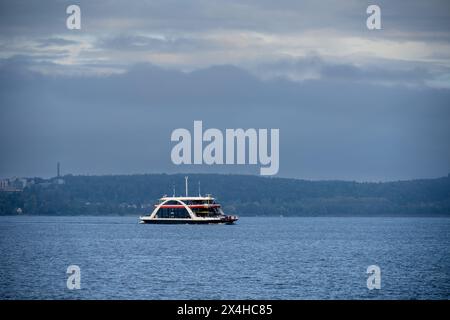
<point x="350" y="103"/>
<point x="187" y="35"/>
<point x="122" y="123"/>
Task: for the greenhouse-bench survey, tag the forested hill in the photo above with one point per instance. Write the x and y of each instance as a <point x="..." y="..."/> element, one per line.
<point x="244" y="195"/>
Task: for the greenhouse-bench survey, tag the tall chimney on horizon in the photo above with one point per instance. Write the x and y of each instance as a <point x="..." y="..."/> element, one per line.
<point x="58" y="172"/>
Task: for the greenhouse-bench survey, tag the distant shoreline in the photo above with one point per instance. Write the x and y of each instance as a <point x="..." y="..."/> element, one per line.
<point x="135" y="195"/>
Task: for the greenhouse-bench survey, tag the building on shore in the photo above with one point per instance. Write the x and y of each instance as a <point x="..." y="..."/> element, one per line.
<point x="13" y="184"/>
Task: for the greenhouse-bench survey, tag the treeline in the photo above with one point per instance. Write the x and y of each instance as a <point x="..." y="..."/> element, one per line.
<point x="244" y="195"/>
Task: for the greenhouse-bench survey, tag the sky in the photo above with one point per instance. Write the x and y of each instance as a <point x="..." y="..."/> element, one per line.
<point x="350" y="103"/>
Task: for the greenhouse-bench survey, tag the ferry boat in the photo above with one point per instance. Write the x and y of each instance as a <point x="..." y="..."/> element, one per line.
<point x="188" y="210"/>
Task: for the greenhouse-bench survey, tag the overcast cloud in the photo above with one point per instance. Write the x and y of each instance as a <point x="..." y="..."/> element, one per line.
<point x="350" y="103"/>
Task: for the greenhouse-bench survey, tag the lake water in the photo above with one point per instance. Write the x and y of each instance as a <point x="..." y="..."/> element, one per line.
<point x="258" y="258"/>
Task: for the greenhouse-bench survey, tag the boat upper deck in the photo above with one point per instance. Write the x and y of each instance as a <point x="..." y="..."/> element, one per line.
<point x="192" y="202"/>
<point x="207" y="198"/>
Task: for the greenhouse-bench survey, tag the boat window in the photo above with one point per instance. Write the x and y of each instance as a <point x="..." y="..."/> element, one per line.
<point x="173" y="213"/>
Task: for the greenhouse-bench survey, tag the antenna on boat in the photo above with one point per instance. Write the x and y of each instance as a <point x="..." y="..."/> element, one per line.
<point x="173" y="186"/>
<point x="186" y="182"/>
<point x="199" y="193"/>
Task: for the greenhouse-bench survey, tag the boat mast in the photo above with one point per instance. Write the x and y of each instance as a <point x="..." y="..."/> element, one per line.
<point x="186" y="182"/>
<point x="199" y="194"/>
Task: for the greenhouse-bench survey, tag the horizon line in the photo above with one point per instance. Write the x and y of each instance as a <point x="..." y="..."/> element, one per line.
<point x="222" y="174"/>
